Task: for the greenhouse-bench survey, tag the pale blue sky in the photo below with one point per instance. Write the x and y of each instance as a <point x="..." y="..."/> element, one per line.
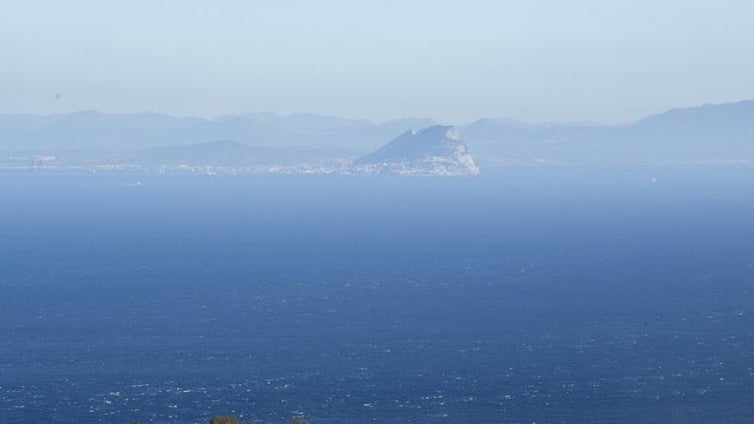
<point x="537" y="60"/>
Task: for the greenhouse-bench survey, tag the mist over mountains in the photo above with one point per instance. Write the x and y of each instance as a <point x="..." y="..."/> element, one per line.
<point x="710" y="133"/>
<point x="95" y="130"/>
<point x="721" y="133"/>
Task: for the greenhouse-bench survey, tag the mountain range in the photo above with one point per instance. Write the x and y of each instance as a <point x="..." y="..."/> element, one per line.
<point x="710" y="133"/>
<point x="719" y="133"/>
<point x="95" y="130"/>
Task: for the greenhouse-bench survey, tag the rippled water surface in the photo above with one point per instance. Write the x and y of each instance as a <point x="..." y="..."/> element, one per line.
<point x="547" y="295"/>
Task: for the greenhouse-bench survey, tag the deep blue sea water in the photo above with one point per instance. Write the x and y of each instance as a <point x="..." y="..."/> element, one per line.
<point x="527" y="295"/>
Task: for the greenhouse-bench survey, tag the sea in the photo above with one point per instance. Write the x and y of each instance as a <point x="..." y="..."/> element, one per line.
<point x="528" y="295"/>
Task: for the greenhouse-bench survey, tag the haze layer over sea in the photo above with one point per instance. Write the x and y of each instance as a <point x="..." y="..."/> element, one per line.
<point x="540" y="294"/>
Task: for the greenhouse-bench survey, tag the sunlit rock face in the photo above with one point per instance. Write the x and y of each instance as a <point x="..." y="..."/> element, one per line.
<point x="436" y="150"/>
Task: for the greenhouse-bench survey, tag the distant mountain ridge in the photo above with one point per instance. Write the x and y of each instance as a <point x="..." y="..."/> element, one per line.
<point x="95" y="130"/>
<point x="709" y="133"/>
<point x="715" y="133"/>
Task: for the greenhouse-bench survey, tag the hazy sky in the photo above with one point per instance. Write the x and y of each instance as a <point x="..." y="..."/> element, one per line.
<point x="537" y="60"/>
